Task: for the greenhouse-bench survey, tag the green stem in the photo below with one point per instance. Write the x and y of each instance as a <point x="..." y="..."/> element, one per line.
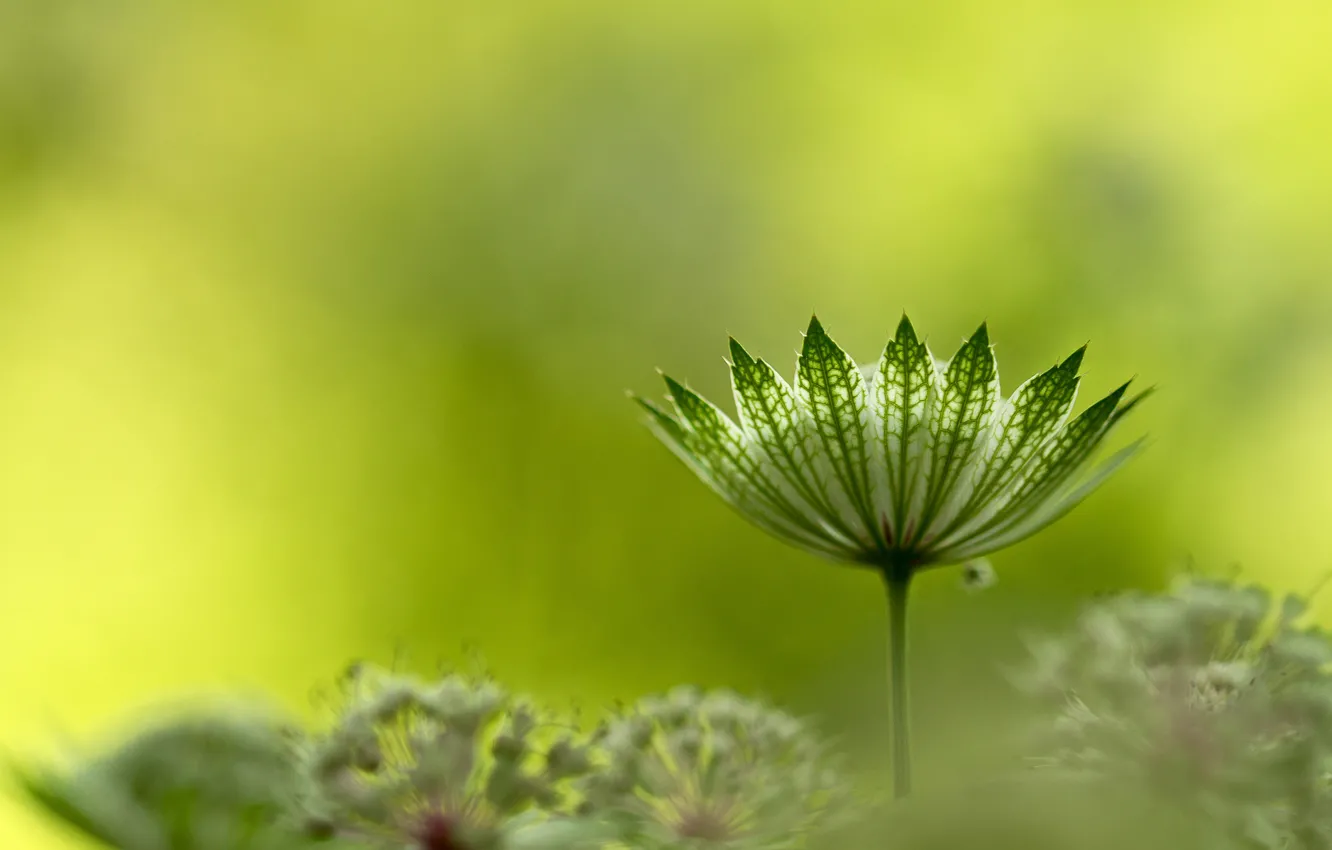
<point x="899" y="581"/>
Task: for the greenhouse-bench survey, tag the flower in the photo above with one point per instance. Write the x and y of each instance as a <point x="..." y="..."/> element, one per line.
<point x="903" y="465"/>
<point x="696" y="769"/>
<point x="449" y="765"/>
<point x="1211" y="694"/>
<point x="213" y="777"/>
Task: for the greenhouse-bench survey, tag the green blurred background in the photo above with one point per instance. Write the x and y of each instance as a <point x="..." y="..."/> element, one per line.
<point x="316" y="319"/>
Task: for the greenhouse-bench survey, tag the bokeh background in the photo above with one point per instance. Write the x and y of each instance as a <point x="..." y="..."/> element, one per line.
<point x="316" y="319"/>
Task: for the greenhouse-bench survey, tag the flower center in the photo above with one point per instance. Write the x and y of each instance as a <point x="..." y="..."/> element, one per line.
<point x="704" y="824"/>
<point x="438" y="831"/>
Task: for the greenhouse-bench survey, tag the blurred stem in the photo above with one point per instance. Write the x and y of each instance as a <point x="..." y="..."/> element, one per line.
<point x="898" y="579"/>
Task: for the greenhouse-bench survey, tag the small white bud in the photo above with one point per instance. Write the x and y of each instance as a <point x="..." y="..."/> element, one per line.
<point x="977" y="575"/>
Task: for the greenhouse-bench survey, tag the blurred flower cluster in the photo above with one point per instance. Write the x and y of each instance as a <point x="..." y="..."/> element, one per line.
<point x="698" y="769"/>
<point x="451" y="763"/>
<point x="1212" y="694"/>
<point x="458" y="763"/>
<point x="215" y="778"/>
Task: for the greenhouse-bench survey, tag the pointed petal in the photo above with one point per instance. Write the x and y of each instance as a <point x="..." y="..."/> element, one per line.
<point x="1123" y="409"/>
<point x="1057" y="463"/>
<point x="1036" y="410"/>
<point x="1051" y="510"/>
<point x="673" y="435"/>
<point x="904" y="387"/>
<point x="830" y="387"/>
<point x="718" y="446"/>
<point x="1066" y="452"/>
<point x="1073" y="362"/>
<point x="775" y="422"/>
<point x="963" y="418"/>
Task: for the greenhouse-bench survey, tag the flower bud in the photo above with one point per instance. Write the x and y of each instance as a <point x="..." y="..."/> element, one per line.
<point x="398" y="696"/>
<point x="565" y="759"/>
<point x="522" y="721"/>
<point x="686" y="742"/>
<point x="978" y="574"/>
<point x="508" y="747"/>
<point x="320" y="827"/>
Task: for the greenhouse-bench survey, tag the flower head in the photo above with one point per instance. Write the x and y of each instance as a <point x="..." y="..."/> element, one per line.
<point x="1211" y="693"/>
<point x="211" y="778"/>
<point x="694" y="769"/>
<point x="453" y="764"/>
<point x="908" y="463"/>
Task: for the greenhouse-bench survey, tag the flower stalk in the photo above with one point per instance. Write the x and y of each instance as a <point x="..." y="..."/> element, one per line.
<point x="898" y="581"/>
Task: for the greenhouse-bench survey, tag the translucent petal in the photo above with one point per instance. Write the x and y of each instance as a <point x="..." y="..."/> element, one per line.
<point x="1050" y="510"/>
<point x="832" y="391"/>
<point x="775" y="422"/>
<point x="1023" y="423"/>
<point x="1046" y="476"/>
<point x="960" y="430"/>
<point x="904" y="391"/>
<point x="737" y="472"/>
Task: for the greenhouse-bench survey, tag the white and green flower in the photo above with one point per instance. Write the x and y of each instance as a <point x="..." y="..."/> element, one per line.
<point x="1216" y="696"/>
<point x="693" y="770"/>
<point x="453" y="764"/>
<point x="901" y="465"/>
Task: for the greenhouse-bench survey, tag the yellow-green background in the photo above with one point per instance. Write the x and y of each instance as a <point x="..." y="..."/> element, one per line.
<point x="316" y="320"/>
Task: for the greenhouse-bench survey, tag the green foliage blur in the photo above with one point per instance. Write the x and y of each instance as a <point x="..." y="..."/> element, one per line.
<point x="316" y="319"/>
